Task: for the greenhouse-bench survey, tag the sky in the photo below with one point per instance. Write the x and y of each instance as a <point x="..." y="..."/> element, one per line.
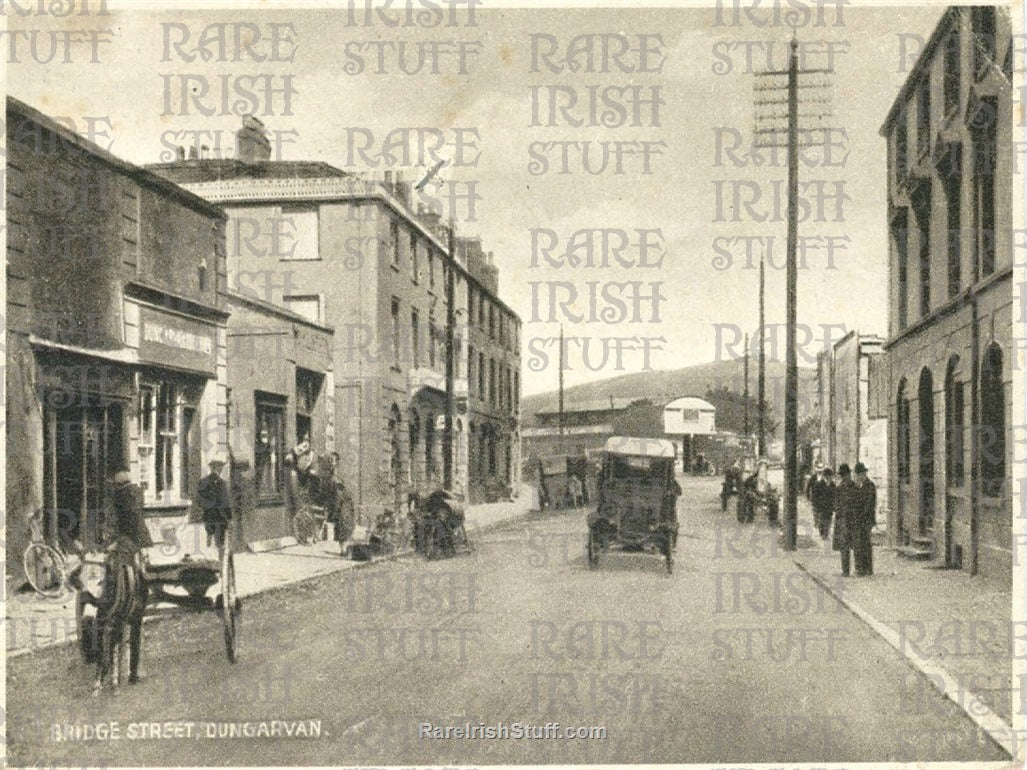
<point x="690" y="205"/>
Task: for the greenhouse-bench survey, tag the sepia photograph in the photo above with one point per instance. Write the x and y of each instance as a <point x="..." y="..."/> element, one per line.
<point x="464" y="383"/>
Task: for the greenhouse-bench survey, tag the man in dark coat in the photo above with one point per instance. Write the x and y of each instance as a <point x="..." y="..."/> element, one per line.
<point x="843" y="517"/>
<point x="863" y="514"/>
<point x="126" y="523"/>
<point x="821" y="496"/>
<point x="215" y="503"/>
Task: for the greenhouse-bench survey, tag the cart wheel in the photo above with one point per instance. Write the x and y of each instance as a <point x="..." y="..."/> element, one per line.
<point x="229" y="605"/>
<point x="44" y="568"/>
<point x="593" y="550"/>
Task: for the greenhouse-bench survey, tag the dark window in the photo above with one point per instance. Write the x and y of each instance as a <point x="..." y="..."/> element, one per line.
<point x="431" y="269"/>
<point x="429" y="447"/>
<point x="982" y="19"/>
<point x="923" y="117"/>
<point x="901" y="144"/>
<point x="954" y="430"/>
<point x="269" y="447"/>
<point x="308" y="388"/>
<point x="395" y="333"/>
<point x="394" y="241"/>
<point x="952" y="188"/>
<point x="900" y="236"/>
<point x="470" y="370"/>
<point x="481" y="376"/>
<point x="415" y="339"/>
<point x="952" y="72"/>
<point x="415" y="267"/>
<point x="922" y="208"/>
<point x="993" y="423"/>
<point x="984" y="197"/>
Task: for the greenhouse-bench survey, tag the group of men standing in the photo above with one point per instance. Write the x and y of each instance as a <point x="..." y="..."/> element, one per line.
<point x="850" y="500"/>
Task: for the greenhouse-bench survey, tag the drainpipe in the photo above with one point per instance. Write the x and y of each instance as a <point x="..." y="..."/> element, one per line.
<point x="975" y="441"/>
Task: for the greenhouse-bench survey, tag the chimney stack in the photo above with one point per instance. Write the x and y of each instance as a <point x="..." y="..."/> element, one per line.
<point x="252" y="145"/>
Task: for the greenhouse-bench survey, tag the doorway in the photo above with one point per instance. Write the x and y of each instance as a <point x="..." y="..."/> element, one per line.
<point x="82" y="447"/>
<point x="926" y="453"/>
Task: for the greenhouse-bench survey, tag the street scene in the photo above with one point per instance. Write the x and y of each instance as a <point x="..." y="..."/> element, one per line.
<point x="440" y="383"/>
<point x="503" y="635"/>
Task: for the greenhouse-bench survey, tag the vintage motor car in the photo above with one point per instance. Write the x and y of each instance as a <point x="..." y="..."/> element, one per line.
<point x="637" y="506"/>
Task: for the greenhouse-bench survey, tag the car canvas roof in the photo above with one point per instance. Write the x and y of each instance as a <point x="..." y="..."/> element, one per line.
<point x="640" y="447"/>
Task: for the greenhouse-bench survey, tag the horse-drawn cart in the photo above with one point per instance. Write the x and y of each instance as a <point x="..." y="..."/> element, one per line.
<point x="198" y="581"/>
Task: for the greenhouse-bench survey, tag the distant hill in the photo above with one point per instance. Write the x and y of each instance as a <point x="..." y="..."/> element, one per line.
<point x="661" y="387"/>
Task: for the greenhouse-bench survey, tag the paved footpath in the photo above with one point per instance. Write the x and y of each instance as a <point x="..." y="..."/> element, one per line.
<point x="957" y="629"/>
<point x="34" y="622"/>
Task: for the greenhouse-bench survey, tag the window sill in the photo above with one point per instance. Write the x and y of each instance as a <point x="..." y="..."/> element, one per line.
<point x="159" y="507"/>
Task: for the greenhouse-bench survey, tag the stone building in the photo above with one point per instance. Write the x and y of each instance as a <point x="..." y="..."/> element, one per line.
<point x="362" y="256"/>
<point x="950" y="350"/>
<point x="116" y="330"/>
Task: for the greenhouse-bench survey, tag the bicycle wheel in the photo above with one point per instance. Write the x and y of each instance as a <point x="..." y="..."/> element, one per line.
<point x="304" y="527"/>
<point x="44" y="568"/>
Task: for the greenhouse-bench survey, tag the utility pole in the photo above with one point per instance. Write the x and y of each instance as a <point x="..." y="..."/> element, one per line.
<point x="761" y="375"/>
<point x="745" y="369"/>
<point x="561" y="388"/>
<point x="447" y="431"/>
<point x="791" y="278"/>
<point x="768" y="133"/>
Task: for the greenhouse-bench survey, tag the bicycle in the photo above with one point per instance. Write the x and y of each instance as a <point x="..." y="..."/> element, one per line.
<point x="46" y="566"/>
<point x="310" y="525"/>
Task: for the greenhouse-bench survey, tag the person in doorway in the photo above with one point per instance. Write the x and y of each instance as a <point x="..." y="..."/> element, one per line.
<point x="574" y="489"/>
<point x="843" y="518"/>
<point x="215" y="503"/>
<point x="863" y="510"/>
<point x="822" y="499"/>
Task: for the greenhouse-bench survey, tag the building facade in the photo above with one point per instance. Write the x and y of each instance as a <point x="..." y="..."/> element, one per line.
<point x="852" y="428"/>
<point x="116" y="325"/>
<point x="361" y="256"/>
<point x="280" y="389"/>
<point x="950" y="351"/>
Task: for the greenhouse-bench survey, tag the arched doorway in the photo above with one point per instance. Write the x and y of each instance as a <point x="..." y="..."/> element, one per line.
<point x="993" y="423"/>
<point x="954" y="458"/>
<point x="902" y="454"/>
<point x="395" y="458"/>
<point x="925" y="398"/>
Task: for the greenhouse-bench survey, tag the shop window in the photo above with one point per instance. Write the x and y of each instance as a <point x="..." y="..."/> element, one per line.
<point x="993" y="423"/>
<point x="269" y="448"/>
<point x="300" y="233"/>
<point x="165" y="448"/>
<point x="308" y="390"/>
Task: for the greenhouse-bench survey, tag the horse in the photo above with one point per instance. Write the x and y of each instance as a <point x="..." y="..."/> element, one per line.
<point x="120" y="609"/>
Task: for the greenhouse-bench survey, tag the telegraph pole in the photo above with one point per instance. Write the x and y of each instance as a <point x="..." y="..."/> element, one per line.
<point x="447" y="432"/>
<point x="745" y="369"/>
<point x="791" y="278"/>
<point x="561" y="388"/>
<point x="761" y="375"/>
<point x="769" y="132"/>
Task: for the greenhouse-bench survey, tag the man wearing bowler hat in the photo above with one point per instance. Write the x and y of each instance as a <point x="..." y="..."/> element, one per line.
<point x="843" y="517"/>
<point x="862" y="510"/>
<point x="215" y="504"/>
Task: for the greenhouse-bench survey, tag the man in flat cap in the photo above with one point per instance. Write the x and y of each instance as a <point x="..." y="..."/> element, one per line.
<point x="215" y="503"/>
<point x="863" y="511"/>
